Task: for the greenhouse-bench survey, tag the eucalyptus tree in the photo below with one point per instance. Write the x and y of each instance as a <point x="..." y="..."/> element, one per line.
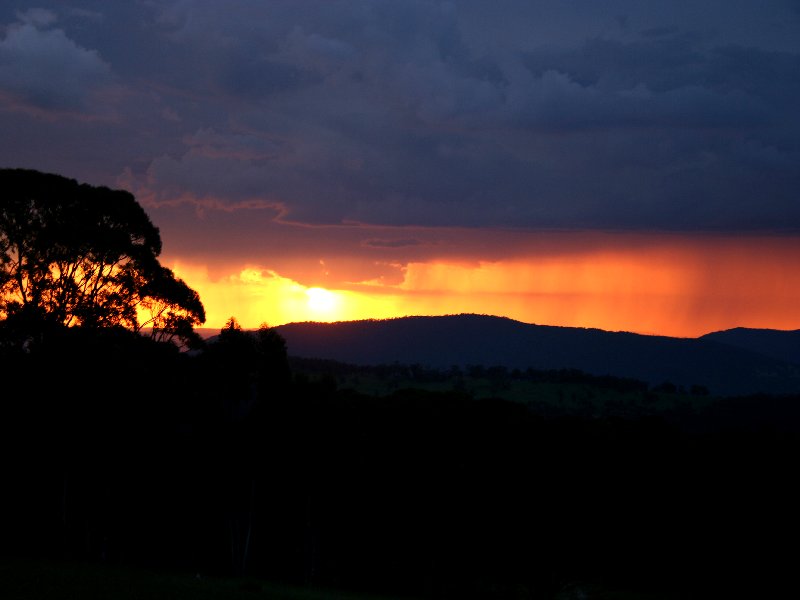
<point x="77" y="255"/>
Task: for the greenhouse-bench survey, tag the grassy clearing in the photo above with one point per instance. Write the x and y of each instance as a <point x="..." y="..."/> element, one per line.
<point x="34" y="580"/>
<point x="543" y="397"/>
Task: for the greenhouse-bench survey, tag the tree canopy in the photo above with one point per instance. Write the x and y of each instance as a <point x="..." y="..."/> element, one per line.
<point x="75" y="254"/>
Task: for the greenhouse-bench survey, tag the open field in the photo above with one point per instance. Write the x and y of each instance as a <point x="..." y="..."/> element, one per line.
<point x="29" y="580"/>
<point x="35" y="580"/>
<point x="547" y="393"/>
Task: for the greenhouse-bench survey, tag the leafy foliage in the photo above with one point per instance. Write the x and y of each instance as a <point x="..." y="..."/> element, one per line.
<point x="74" y="254"/>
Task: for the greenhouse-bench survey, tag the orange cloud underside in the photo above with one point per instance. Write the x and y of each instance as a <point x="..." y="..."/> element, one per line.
<point x="679" y="285"/>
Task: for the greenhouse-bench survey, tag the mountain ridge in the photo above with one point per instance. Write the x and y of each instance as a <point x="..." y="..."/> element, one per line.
<point x="442" y="341"/>
<point x="776" y="343"/>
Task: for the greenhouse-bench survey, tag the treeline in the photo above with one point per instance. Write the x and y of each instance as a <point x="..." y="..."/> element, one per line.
<point x="119" y="449"/>
<point x="426" y="374"/>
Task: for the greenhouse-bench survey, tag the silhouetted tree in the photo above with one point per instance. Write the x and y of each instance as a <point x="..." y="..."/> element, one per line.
<point x="173" y="308"/>
<point x="246" y="370"/>
<point x="74" y="254"/>
<point x="254" y="357"/>
<point x="274" y="365"/>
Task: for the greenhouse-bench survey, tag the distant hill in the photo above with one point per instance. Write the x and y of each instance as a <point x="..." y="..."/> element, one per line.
<point x="207" y="332"/>
<point x="782" y="345"/>
<point x="441" y="342"/>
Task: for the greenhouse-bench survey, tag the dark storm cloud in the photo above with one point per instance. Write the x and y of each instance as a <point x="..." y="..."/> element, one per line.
<point x="616" y="115"/>
<point x="42" y="68"/>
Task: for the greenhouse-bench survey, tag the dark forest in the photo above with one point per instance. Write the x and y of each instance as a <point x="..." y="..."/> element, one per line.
<point x="122" y="450"/>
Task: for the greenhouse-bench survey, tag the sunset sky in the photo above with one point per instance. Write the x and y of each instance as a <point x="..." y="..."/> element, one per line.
<point x="622" y="164"/>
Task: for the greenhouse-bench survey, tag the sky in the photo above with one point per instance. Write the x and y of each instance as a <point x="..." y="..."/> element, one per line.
<point x="618" y="164"/>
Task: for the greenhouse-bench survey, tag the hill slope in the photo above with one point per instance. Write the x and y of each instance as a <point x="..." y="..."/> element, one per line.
<point x="474" y="339"/>
<point x="782" y="345"/>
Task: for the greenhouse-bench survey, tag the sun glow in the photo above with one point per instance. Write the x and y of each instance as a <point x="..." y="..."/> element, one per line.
<point x="255" y="296"/>
<point x="678" y="286"/>
<point x="322" y="302"/>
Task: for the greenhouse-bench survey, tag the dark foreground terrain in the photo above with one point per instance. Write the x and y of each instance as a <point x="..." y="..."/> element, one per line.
<point x="122" y="457"/>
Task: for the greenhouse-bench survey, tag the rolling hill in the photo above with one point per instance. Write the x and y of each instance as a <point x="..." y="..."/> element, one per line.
<point x="714" y="361"/>
<point x="782" y="345"/>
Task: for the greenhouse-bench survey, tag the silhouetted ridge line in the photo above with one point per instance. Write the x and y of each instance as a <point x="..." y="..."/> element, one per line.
<point x="781" y="345"/>
<point x="486" y="340"/>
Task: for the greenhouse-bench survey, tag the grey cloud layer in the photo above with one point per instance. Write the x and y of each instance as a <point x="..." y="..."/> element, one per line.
<point x="42" y="68"/>
<point x="615" y="115"/>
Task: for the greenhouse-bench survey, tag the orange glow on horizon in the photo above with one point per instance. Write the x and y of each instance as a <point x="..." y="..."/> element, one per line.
<point x="669" y="286"/>
<point x="256" y="296"/>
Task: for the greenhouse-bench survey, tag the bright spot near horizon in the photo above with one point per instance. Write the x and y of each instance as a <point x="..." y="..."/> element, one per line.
<point x="681" y="286"/>
<point x="321" y="301"/>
